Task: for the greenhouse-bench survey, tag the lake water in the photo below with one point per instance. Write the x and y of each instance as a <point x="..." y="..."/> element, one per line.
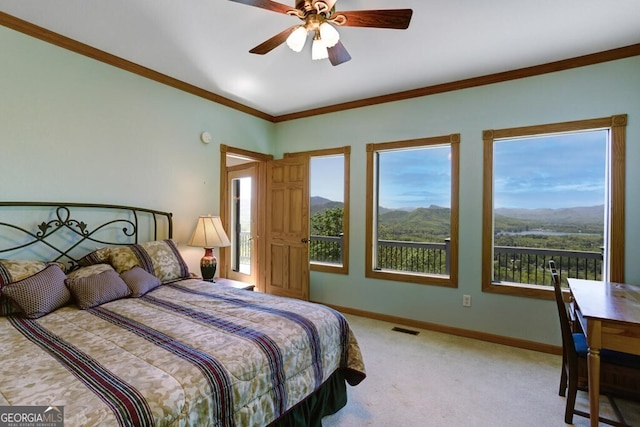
<point x="543" y="233"/>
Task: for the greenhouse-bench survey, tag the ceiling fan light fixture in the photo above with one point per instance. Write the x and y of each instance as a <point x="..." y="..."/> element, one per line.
<point x="297" y="39"/>
<point x="319" y="49"/>
<point x="329" y="35"/>
<point x="321" y="20"/>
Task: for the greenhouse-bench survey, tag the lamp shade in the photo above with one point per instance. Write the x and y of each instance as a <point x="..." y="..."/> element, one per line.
<point x="329" y="35"/>
<point x="297" y="39"/>
<point x="209" y="233"/>
<point x="319" y="49"/>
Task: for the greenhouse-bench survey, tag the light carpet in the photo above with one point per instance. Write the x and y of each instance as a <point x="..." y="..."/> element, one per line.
<point x="435" y="379"/>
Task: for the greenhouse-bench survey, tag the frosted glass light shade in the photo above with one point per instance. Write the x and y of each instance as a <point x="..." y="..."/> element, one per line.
<point x="319" y="50"/>
<point x="297" y="39"/>
<point x="329" y="35"/>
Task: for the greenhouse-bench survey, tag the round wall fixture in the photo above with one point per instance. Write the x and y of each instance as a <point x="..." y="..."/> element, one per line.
<point x="205" y="137"/>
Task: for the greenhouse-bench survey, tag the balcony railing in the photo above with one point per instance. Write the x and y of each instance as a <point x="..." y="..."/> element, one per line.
<point x="530" y="265"/>
<point x="242" y="262"/>
<point x="511" y="264"/>
<point x="415" y="257"/>
<point x="326" y="249"/>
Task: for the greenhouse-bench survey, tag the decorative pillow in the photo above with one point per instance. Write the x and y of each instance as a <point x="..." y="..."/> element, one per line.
<point x="160" y="258"/>
<point x="99" y="256"/>
<point x="7" y="307"/>
<point x="62" y="265"/>
<point x="39" y="294"/>
<point x="90" y="270"/>
<point x="13" y="271"/>
<point x="139" y="281"/>
<point x="97" y="289"/>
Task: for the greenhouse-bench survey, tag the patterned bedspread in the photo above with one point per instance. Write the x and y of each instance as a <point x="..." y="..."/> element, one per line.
<point x="190" y="353"/>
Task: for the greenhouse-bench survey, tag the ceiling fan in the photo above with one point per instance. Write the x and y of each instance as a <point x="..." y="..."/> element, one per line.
<point x="319" y="18"/>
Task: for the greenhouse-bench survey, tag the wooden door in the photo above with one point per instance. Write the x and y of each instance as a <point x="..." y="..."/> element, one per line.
<point x="287" y="227"/>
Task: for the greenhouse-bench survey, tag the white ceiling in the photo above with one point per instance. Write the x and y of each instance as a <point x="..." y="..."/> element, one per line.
<point x="206" y="43"/>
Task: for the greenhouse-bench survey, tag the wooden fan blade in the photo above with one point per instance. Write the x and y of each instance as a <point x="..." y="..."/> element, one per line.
<point x="338" y="54"/>
<point x="273" y="42"/>
<point x="398" y="19"/>
<point x="267" y="4"/>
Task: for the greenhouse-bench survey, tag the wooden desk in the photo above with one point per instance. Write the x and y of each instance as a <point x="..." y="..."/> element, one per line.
<point x="610" y="316"/>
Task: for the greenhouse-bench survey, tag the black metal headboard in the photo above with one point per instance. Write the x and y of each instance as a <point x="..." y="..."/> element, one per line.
<point x="65" y="232"/>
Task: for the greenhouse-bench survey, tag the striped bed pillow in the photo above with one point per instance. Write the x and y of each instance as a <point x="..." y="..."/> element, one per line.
<point x="160" y="258"/>
<point x="99" y="256"/>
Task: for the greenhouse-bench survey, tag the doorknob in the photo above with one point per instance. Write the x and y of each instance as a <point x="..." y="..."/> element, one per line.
<point x="304" y="240"/>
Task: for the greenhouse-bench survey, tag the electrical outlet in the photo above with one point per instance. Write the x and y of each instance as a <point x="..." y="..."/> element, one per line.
<point x="466" y="300"/>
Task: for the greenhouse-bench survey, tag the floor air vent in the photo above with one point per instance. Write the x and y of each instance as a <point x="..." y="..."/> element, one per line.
<point x="405" y="331"/>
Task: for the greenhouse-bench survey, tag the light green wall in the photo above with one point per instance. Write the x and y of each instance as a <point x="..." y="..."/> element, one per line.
<point x="74" y="129"/>
<point x="584" y="93"/>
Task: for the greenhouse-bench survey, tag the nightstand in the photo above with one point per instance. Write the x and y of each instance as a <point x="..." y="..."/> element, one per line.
<point x="222" y="281"/>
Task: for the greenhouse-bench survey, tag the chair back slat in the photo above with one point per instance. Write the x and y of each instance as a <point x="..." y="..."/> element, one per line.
<point x="565" y="326"/>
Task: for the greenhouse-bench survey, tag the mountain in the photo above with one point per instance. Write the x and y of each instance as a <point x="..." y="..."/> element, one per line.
<point x="435" y="220"/>
<point x="319" y="204"/>
<point x="317" y="200"/>
<point x="422" y="223"/>
<point x="577" y="215"/>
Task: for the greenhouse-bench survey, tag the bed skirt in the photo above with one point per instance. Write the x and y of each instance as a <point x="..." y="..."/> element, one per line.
<point x="327" y="400"/>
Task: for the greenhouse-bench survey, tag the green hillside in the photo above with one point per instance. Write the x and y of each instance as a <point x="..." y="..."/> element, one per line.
<point x="536" y="228"/>
<point x="419" y="225"/>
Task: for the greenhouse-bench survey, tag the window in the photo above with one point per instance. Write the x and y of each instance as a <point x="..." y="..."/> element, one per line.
<point x="553" y="192"/>
<point x="412" y="210"/>
<point x="329" y="209"/>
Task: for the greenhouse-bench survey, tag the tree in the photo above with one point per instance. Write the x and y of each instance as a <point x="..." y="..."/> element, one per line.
<point x="328" y="222"/>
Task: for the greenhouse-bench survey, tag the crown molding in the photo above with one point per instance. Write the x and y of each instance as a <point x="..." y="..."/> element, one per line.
<point x="64" y="42"/>
<point x="536" y="70"/>
<point x="59" y="40"/>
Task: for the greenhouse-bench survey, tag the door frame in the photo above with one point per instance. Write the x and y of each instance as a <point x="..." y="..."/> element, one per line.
<point x="260" y="160"/>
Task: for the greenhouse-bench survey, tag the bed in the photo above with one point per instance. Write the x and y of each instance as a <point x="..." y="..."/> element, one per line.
<point x="102" y="321"/>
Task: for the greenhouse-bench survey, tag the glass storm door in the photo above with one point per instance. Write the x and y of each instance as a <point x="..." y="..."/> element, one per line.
<point x="243" y="224"/>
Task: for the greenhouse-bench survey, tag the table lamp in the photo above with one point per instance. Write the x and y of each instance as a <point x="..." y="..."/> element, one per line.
<point x="209" y="234"/>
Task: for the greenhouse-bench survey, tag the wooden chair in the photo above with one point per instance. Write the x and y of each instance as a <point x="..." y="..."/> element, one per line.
<point x="620" y="372"/>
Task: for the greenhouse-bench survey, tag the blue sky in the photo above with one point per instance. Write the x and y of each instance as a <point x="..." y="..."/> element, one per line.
<point x="398" y="168"/>
<point x="327" y="177"/>
<point x="415" y="178"/>
<point x="556" y="171"/>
